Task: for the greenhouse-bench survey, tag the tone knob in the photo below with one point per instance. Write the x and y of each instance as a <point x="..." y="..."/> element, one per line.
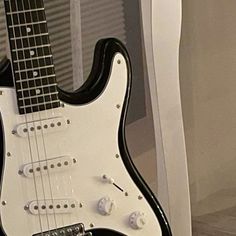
<point x="106" y="205"/>
<point x="137" y="220"/>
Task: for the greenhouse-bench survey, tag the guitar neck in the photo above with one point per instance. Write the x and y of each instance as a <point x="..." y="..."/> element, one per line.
<point x="32" y="62"/>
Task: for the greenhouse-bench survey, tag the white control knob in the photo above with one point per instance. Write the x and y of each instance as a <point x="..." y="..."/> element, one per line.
<point x="106" y="205"/>
<point x="137" y="220"/>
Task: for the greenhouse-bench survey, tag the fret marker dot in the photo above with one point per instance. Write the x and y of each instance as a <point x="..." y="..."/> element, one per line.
<point x="32" y="53"/>
<point x="38" y="91"/>
<point x="35" y="73"/>
<point x="28" y="29"/>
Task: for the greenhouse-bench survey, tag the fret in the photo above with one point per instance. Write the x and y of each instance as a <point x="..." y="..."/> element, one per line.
<point x="30" y="74"/>
<point x="33" y="69"/>
<point x="33" y="64"/>
<point x="39" y="108"/>
<point x="23" y="5"/>
<point x="32" y="59"/>
<point x="26" y="54"/>
<point x="29" y="36"/>
<point x="28" y="24"/>
<point x="28" y="29"/>
<point x="34" y="83"/>
<point x="28" y="48"/>
<point x="26" y="17"/>
<point x="36" y="88"/>
<point x="38" y="91"/>
<point x="38" y="96"/>
<point x="39" y="100"/>
<point x="24" y="11"/>
<point x="29" y="42"/>
<point x="42" y="101"/>
<point x="39" y="104"/>
<point x="41" y="78"/>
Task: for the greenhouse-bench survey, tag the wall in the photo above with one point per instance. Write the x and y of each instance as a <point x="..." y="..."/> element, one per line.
<point x="208" y="83"/>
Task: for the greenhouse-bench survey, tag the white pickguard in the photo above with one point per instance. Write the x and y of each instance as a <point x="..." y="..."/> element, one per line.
<point x="92" y="138"/>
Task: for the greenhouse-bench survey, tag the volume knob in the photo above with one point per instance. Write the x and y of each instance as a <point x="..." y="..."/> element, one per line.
<point x="137" y="220"/>
<point x="106" y="205"/>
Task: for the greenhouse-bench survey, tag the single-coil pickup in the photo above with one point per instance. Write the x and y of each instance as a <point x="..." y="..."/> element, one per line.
<point x="41" y="127"/>
<point x="45" y="167"/>
<point x="55" y="206"/>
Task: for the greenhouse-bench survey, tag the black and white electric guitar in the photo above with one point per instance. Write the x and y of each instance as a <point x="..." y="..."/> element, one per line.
<point x="66" y="170"/>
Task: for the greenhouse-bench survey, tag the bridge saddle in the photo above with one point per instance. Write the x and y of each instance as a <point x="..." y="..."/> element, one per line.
<point x="72" y="230"/>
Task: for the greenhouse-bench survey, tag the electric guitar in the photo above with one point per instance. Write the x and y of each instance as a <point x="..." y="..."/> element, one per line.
<point x="66" y="170"/>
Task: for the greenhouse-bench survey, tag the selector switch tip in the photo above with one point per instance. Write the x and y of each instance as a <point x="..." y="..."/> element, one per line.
<point x="106" y="206"/>
<point x="137" y="220"/>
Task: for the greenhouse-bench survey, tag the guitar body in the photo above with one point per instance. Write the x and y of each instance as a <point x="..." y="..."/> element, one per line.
<point x="81" y="171"/>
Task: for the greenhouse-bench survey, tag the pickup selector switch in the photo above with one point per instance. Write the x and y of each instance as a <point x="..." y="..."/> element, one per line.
<point x="137" y="220"/>
<point x="106" y="206"/>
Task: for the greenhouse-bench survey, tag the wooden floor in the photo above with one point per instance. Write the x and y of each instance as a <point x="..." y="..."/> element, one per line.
<point x="222" y="223"/>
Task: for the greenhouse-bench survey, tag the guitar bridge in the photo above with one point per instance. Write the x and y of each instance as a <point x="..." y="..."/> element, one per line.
<point x="72" y="230"/>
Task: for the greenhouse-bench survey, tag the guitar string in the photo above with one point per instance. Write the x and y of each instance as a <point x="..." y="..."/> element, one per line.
<point x="54" y="80"/>
<point x="44" y="146"/>
<point x="35" y="134"/>
<point x="40" y="119"/>
<point x="37" y="141"/>
<point x="51" y="61"/>
<point x="46" y="111"/>
<point x="42" y="132"/>
<point x="68" y="181"/>
<point x="25" y="116"/>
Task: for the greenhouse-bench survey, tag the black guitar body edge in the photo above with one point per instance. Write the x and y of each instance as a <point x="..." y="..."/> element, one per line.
<point x="95" y="84"/>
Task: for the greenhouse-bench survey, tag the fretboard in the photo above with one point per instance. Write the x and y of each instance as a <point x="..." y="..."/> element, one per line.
<point x="32" y="61"/>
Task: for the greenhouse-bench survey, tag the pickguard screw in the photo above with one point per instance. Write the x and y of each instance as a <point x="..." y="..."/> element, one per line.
<point x="26" y="208"/>
<point x="80" y="205"/>
<point x="62" y="105"/>
<point x="118" y="106"/>
<point x="8" y="154"/>
<point x="13" y="132"/>
<point x="117" y="155"/>
<point x="91" y="225"/>
<point x="1" y="92"/>
<point x="4" y="203"/>
<point x="126" y="194"/>
<point x="68" y="122"/>
<point x="119" y="62"/>
<point x="140" y="197"/>
<point x="20" y="172"/>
